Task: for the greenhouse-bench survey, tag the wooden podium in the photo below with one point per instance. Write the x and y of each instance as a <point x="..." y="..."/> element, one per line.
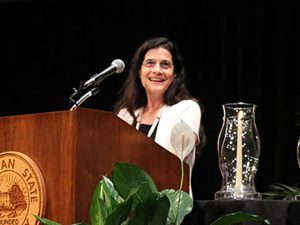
<point x="73" y="149"/>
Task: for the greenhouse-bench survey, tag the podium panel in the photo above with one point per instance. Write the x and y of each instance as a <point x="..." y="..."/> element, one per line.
<point x="73" y="149"/>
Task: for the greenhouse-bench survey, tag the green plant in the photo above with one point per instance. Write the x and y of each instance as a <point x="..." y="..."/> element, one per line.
<point x="131" y="198"/>
<point x="281" y="191"/>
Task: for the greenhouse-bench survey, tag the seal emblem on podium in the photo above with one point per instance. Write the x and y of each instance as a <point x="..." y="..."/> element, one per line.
<point x="22" y="189"/>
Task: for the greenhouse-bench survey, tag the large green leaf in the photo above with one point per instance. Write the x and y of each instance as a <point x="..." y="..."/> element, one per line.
<point x="181" y="205"/>
<point x="80" y="223"/>
<point x="100" y="204"/>
<point x="122" y="211"/>
<point x="50" y="222"/>
<point x="107" y="206"/>
<point x="46" y="221"/>
<point x="109" y="194"/>
<point x="153" y="211"/>
<point x="127" y="176"/>
<point x="239" y="217"/>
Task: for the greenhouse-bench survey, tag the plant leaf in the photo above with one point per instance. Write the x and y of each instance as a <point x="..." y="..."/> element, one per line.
<point x="281" y="191"/>
<point x="98" y="209"/>
<point x="239" y="217"/>
<point x="289" y="188"/>
<point x="127" y="176"/>
<point x="109" y="194"/>
<point x="185" y="204"/>
<point x="121" y="212"/>
<point x="153" y="211"/>
<point x="104" y="202"/>
<point x="46" y="221"/>
<point x="179" y="131"/>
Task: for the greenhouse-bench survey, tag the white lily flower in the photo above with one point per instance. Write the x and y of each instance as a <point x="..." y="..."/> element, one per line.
<point x="182" y="139"/>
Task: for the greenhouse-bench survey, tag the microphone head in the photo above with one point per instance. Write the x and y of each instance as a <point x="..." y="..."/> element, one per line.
<point x="119" y="64"/>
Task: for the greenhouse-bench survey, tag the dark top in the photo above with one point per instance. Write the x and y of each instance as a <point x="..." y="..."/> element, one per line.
<point x="145" y="129"/>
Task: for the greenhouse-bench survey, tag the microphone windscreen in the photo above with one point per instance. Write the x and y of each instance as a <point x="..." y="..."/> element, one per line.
<point x="119" y="64"/>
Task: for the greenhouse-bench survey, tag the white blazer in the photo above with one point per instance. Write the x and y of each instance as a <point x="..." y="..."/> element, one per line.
<point x="186" y="110"/>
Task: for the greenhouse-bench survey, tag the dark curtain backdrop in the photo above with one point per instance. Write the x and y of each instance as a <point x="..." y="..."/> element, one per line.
<point x="234" y="51"/>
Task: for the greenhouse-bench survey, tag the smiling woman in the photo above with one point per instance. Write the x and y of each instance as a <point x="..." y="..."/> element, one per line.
<point x="155" y="98"/>
<point x="156" y="78"/>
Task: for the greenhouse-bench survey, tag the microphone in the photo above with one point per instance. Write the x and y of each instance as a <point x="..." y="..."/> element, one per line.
<point x="117" y="66"/>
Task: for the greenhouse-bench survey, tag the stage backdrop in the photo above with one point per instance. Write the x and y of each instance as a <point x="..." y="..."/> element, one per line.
<point x="234" y="51"/>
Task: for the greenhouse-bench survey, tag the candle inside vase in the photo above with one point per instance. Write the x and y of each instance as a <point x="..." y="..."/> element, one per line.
<point x="239" y="163"/>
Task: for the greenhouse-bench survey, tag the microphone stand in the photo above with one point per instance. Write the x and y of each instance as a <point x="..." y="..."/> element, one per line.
<point x="92" y="84"/>
<point x="93" y="91"/>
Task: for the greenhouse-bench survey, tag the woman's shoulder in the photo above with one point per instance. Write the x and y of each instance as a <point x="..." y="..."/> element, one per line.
<point x="123" y="112"/>
<point x="125" y="115"/>
<point x="183" y="107"/>
<point x="186" y="104"/>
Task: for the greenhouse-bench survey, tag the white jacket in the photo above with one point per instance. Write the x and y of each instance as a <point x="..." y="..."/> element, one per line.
<point x="186" y="110"/>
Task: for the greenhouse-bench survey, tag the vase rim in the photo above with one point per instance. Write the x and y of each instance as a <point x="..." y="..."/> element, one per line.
<point x="240" y="104"/>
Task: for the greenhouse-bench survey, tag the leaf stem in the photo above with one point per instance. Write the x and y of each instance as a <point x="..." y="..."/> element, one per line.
<point x="182" y="176"/>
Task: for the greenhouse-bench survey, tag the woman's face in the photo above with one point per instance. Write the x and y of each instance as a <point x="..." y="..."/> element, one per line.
<point x="157" y="71"/>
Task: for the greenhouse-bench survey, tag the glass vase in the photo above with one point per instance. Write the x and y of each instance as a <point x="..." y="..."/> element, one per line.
<point x="297" y="197"/>
<point x="238" y="152"/>
<point x="298" y="152"/>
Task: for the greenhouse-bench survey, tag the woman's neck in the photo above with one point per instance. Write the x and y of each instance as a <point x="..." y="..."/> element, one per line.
<point x="151" y="111"/>
<point x="154" y="103"/>
<point x="153" y="106"/>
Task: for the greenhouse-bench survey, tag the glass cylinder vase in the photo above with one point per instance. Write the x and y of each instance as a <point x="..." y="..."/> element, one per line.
<point x="297" y="197"/>
<point x="238" y="152"/>
<point x="298" y="152"/>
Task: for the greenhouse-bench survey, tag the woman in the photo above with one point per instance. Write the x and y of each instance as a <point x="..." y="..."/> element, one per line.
<point x="155" y="97"/>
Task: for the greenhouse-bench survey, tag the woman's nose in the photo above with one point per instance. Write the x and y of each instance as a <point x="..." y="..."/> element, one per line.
<point x="157" y="67"/>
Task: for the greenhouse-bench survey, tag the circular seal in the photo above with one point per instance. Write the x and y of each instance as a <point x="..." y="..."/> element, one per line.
<point x="22" y="190"/>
